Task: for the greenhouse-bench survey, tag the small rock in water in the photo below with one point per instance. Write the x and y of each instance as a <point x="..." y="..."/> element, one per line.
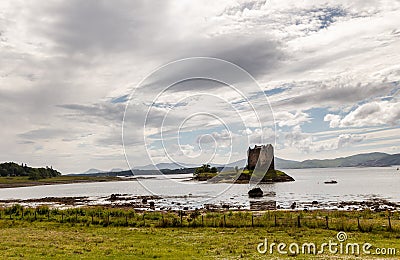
<point x="185" y="208"/>
<point x="255" y="192"/>
<point x="293" y="206"/>
<point x="144" y="201"/>
<point x="314" y="202"/>
<point x="152" y="204"/>
<point x="114" y="197"/>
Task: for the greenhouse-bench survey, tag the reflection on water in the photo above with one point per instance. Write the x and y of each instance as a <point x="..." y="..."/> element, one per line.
<point x="354" y="185"/>
<point x="262" y="204"/>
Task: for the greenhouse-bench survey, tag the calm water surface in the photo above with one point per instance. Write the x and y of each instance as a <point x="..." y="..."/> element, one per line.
<point x="354" y="184"/>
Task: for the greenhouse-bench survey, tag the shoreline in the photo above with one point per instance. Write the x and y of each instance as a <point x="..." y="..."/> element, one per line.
<point x="154" y="203"/>
<point x="10" y="182"/>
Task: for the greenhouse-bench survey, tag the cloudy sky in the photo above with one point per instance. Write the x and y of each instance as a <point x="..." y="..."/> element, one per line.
<point x="318" y="79"/>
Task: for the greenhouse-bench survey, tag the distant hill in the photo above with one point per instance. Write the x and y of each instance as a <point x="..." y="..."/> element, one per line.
<point x="92" y="171"/>
<point x="11" y="169"/>
<point x="116" y="170"/>
<point x="389" y="160"/>
<point x="171" y="166"/>
<point x="285" y="164"/>
<point x="358" y="160"/>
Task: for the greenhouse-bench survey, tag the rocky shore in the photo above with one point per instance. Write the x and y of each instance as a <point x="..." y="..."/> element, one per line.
<point x="157" y="203"/>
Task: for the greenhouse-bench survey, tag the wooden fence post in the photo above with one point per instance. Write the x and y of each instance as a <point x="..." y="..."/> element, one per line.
<point x="180" y="212"/>
<point x="326" y="222"/>
<point x="202" y="221"/>
<point x="252" y="220"/>
<point x="390" y="224"/>
<point x="224" y="220"/>
<point x="358" y="223"/>
<point x="275" y="221"/>
<point x="298" y="221"/>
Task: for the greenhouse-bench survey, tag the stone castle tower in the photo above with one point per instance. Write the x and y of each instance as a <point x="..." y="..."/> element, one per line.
<point x="260" y="155"/>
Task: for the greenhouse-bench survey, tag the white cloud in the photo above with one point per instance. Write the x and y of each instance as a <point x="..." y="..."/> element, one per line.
<point x="307" y="143"/>
<point x="296" y="138"/>
<point x="348" y="139"/>
<point x="66" y="61"/>
<point x="286" y="118"/>
<point x="247" y="131"/>
<point x="369" y="114"/>
<point x="334" y="120"/>
<point x="259" y="136"/>
<point x="222" y="139"/>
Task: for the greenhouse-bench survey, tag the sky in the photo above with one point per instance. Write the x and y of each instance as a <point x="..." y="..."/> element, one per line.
<point x="196" y="81"/>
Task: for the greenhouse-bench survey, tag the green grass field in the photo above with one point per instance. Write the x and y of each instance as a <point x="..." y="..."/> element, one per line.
<point x="55" y="240"/>
<point x="121" y="233"/>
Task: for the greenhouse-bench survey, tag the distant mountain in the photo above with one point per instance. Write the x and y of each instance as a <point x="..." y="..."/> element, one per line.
<point x="90" y="171"/>
<point x="358" y="160"/>
<point x="241" y="164"/>
<point x="279" y="163"/>
<point x="390" y="160"/>
<point x="350" y="161"/>
<point x="171" y="166"/>
<point x="285" y="164"/>
<point x="93" y="171"/>
<point x="117" y="170"/>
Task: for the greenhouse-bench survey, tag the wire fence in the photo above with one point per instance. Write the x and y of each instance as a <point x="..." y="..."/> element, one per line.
<point x="365" y="221"/>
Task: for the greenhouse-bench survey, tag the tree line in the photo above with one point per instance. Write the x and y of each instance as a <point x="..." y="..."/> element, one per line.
<point x="11" y="169"/>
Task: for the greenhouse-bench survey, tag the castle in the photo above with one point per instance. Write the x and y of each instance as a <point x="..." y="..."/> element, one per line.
<point x="260" y="156"/>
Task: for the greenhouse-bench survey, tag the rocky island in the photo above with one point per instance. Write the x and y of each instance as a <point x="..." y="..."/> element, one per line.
<point x="260" y="168"/>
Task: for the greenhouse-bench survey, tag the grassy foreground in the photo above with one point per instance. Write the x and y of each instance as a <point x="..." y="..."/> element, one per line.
<point x="125" y="234"/>
<point x="55" y="240"/>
